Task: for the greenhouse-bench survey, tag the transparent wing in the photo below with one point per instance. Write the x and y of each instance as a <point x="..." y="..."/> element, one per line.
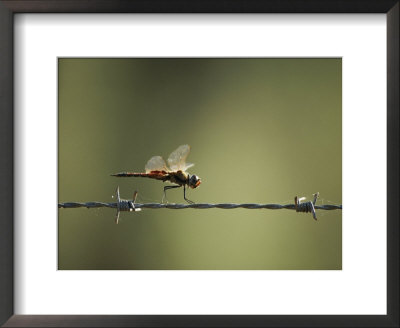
<point x="187" y="166"/>
<point x="156" y="163"/>
<point x="177" y="159"/>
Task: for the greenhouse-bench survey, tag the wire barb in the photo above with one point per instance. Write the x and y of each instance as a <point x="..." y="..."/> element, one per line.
<point x="125" y="205"/>
<point x="131" y="205"/>
<point x="308" y="207"/>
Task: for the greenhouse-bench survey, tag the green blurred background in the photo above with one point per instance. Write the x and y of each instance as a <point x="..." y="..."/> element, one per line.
<point x="261" y="130"/>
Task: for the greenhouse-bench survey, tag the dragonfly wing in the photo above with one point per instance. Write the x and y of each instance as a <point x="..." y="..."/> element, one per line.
<point x="156" y="163"/>
<point x="187" y="166"/>
<point x="177" y="159"/>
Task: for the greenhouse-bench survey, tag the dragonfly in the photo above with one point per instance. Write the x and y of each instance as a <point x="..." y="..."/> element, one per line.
<point x="176" y="173"/>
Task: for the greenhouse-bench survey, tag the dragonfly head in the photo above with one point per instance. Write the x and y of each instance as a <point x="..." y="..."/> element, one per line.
<point x="194" y="181"/>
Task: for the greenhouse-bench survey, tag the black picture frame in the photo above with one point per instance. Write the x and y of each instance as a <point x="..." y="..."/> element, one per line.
<point x="7" y="200"/>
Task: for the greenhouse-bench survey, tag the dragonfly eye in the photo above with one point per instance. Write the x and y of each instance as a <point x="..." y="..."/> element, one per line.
<point x="194" y="181"/>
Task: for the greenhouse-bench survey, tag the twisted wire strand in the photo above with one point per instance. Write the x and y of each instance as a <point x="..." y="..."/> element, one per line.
<point x="128" y="205"/>
<point x="131" y="205"/>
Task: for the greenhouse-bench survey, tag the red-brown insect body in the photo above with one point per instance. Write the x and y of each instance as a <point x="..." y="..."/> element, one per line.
<point x="178" y="177"/>
<point x="156" y="168"/>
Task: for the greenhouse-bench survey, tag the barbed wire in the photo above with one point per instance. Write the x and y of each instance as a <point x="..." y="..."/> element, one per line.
<point x="131" y="205"/>
<point x="174" y="206"/>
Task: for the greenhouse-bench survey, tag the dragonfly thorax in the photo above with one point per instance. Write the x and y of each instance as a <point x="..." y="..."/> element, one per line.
<point x="193" y="181"/>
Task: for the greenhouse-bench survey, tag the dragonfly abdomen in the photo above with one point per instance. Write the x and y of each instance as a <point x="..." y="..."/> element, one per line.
<point x="129" y="174"/>
<point x="159" y="175"/>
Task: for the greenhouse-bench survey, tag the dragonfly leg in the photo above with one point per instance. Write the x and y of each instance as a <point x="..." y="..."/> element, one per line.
<point x="165" y="194"/>
<point x="184" y="195"/>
